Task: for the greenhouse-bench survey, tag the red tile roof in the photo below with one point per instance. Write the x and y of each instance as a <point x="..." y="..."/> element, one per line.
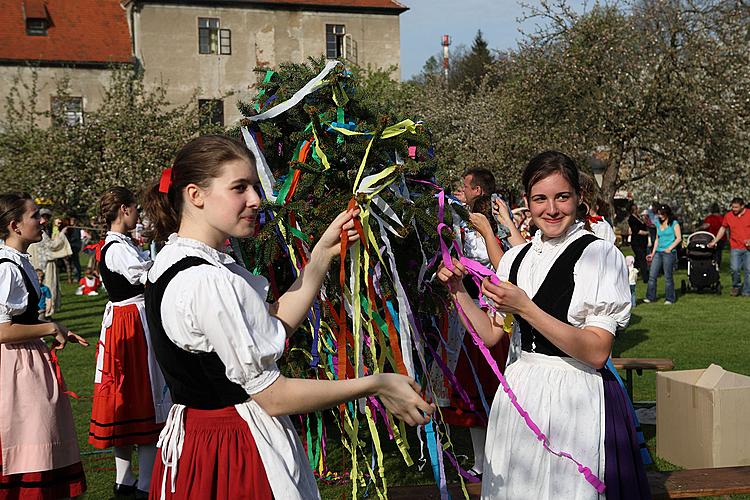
<point x="80" y="31"/>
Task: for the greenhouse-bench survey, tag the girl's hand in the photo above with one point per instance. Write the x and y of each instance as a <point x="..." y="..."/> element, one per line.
<point x="452" y="279"/>
<point x="63" y="336"/>
<point x="480" y="222"/>
<point x="649" y="257"/>
<point x="506" y="296"/>
<point x="330" y="240"/>
<point x="400" y="395"/>
<point x="77" y="339"/>
<point x="500" y="211"/>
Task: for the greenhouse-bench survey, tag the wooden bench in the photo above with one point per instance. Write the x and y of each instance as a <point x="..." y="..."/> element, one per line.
<point x="640" y="364"/>
<point x="699" y="482"/>
<point x="664" y="485"/>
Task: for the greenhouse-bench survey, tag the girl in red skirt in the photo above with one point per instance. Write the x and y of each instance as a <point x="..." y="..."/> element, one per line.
<point x="40" y="457"/>
<point x="217" y="340"/>
<point x="131" y="400"/>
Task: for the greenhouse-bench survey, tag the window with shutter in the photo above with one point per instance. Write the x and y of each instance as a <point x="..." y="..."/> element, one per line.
<point x="208" y="35"/>
<point x="335" y="34"/>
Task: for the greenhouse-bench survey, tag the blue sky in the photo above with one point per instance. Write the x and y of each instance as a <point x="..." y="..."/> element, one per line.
<point x="423" y="25"/>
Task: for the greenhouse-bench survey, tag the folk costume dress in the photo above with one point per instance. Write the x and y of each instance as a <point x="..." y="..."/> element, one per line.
<point x="583" y="281"/>
<point x="131" y="400"/>
<point x="217" y="345"/>
<point x="40" y="456"/>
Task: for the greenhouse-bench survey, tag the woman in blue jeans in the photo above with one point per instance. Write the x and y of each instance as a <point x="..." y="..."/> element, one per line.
<point x="664" y="254"/>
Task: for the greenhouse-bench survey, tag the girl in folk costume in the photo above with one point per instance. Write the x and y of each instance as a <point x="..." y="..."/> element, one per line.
<point x="568" y="292"/>
<point x="217" y="340"/>
<point x="40" y="457"/>
<point x="131" y="400"/>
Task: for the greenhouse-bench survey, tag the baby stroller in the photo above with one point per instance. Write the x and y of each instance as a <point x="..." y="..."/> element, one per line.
<point x="703" y="268"/>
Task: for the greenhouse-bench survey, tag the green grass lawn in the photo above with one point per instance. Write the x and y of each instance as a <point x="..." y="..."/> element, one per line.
<point x="698" y="330"/>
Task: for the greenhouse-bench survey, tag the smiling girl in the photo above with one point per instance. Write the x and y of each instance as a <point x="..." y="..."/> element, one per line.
<point x="40" y="456"/>
<point x="569" y="293"/>
<point x="217" y="340"/>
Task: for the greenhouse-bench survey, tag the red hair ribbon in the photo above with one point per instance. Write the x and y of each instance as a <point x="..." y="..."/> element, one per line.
<point x="166" y="180"/>
<point x="593" y="219"/>
<point x="97" y="249"/>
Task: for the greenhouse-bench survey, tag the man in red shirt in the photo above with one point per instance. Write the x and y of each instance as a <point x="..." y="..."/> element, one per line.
<point x="738" y="222"/>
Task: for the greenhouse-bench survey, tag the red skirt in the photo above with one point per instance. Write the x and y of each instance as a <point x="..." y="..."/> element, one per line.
<point x="123" y="408"/>
<point x="65" y="482"/>
<point x="459" y="412"/>
<point x="219" y="459"/>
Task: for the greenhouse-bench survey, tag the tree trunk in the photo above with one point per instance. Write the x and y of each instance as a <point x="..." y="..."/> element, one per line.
<point x="610" y="176"/>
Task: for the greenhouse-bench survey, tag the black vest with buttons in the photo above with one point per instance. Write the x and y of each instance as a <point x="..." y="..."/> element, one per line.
<point x="31" y="315"/>
<point x="195" y="379"/>
<point x="118" y="287"/>
<point x="553" y="296"/>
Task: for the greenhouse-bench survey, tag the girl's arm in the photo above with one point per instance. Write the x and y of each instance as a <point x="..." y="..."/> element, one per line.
<point x="14" y="332"/>
<point x="591" y="345"/>
<point x="489" y="330"/>
<point x="286" y="396"/>
<point x="292" y="307"/>
<point x="494" y="252"/>
<point x="506" y="218"/>
<point x="677" y="238"/>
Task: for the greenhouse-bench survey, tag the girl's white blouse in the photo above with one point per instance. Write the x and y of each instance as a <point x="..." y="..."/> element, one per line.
<point x="601" y="297"/>
<point x="126" y="259"/>
<point x="220" y="308"/>
<point x="13" y="293"/>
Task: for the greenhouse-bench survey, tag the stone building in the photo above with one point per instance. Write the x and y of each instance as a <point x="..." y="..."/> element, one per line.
<point x="203" y="46"/>
<point x="214" y="45"/>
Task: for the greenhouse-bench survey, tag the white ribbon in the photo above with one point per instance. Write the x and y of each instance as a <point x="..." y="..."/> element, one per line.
<point x="171" y="439"/>
<point x="308" y="89"/>
<point x="264" y="172"/>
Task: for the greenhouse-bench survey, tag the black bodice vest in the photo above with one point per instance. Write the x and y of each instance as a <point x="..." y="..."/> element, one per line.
<point x="195" y="379"/>
<point x="31" y="315"/>
<point x="553" y="296"/>
<point x="118" y="287"/>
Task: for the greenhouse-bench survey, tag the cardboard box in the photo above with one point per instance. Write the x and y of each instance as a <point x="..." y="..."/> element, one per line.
<point x="703" y="418"/>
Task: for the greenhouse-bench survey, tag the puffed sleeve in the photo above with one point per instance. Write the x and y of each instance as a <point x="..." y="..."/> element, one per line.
<point x="122" y="259"/>
<point x="13" y="294"/>
<point x="602" y="294"/>
<point x="234" y="319"/>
